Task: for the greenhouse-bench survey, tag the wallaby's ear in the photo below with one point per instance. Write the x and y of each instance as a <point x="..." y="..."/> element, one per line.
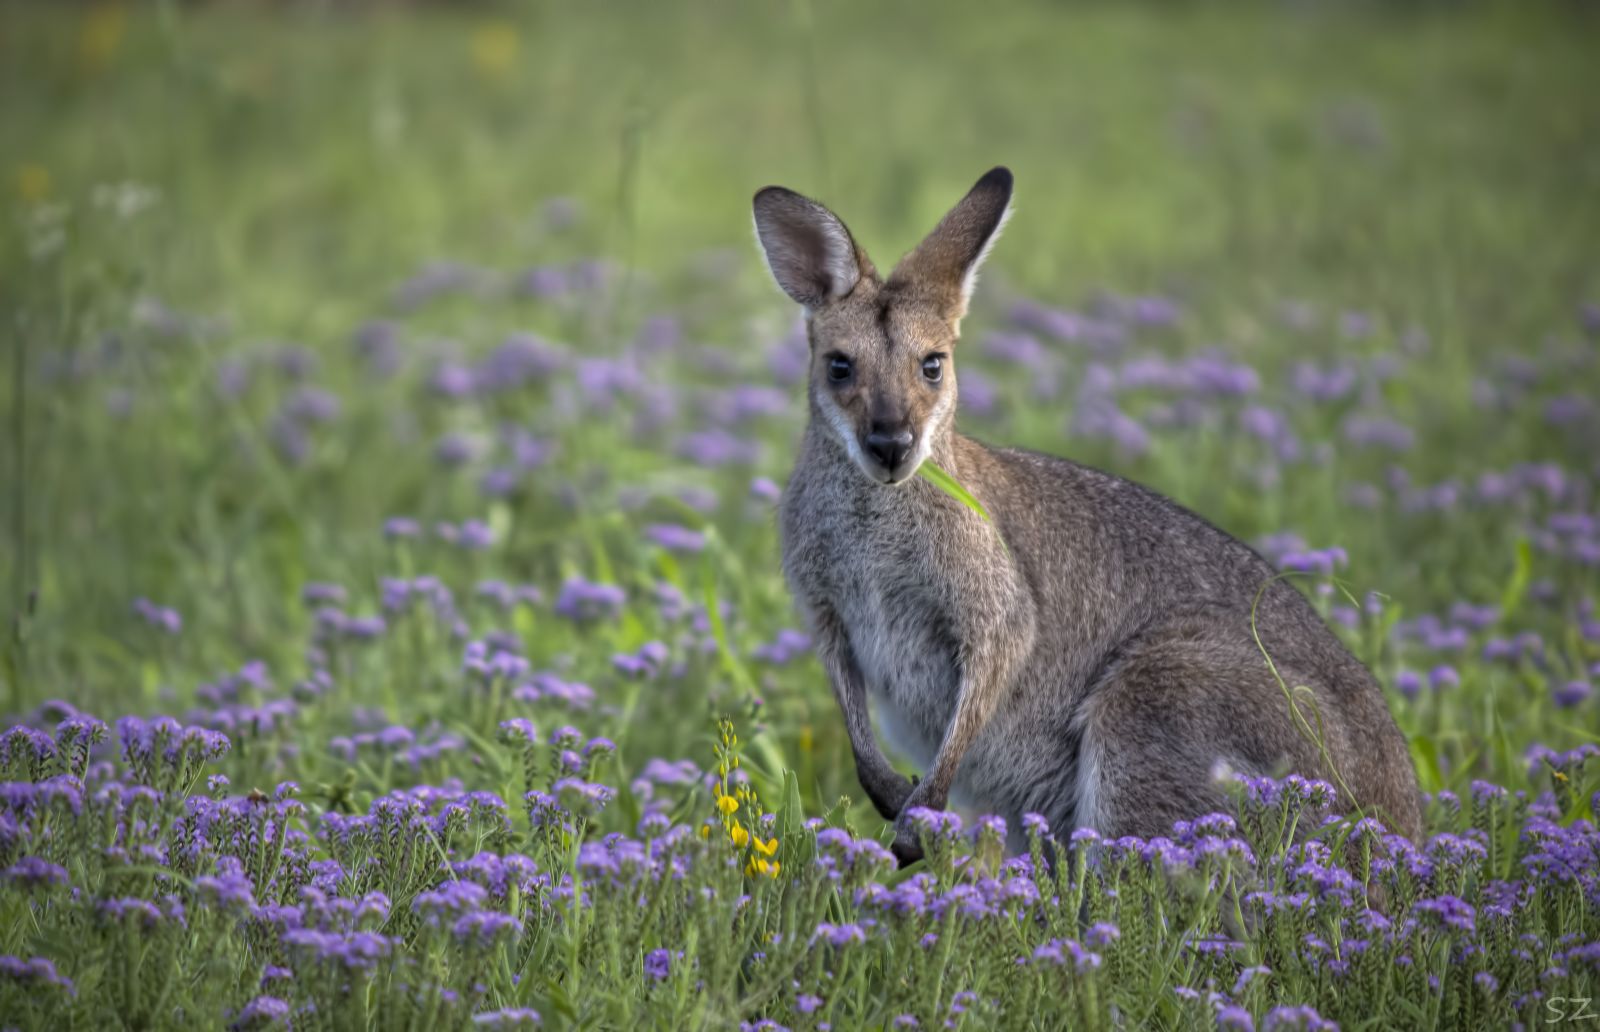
<point x="808" y="248"/>
<point x="944" y="267"/>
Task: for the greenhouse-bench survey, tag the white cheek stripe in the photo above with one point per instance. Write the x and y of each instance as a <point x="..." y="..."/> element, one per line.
<point x="841" y="426"/>
<point x="935" y="424"/>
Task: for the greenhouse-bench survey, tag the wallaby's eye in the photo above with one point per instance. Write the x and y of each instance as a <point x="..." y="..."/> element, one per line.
<point x="839" y="369"/>
<point x="933" y="368"/>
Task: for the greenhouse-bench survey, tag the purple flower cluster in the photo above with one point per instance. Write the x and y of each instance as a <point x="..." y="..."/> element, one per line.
<point x="1065" y="953"/>
<point x="163" y="618"/>
<point x="584" y="601"/>
<point x="38" y="971"/>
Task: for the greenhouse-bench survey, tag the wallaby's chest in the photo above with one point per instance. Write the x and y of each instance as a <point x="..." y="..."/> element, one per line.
<point x="895" y="609"/>
<point x="898" y="635"/>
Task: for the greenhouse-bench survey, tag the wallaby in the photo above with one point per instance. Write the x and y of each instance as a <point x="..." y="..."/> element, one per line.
<point x="1090" y="652"/>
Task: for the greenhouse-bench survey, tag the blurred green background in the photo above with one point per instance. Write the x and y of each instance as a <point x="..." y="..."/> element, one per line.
<point x="193" y="184"/>
<point x="303" y="152"/>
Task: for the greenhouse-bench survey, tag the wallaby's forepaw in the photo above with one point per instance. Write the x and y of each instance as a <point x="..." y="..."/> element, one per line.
<point x="906" y="851"/>
<point x="907" y="845"/>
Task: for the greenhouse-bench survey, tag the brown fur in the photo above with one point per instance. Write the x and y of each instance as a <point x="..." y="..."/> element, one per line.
<point x="1088" y="655"/>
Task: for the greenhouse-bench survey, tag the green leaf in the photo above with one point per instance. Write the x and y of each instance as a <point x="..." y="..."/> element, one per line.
<point x="731" y="663"/>
<point x="1517" y="586"/>
<point x="792" y="816"/>
<point x="905" y="873"/>
<point x="951" y="486"/>
<point x="490" y="752"/>
<point x="1426" y="753"/>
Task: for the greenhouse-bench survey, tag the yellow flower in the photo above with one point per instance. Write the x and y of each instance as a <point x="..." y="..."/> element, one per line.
<point x="100" y="35"/>
<point x="495" y="47"/>
<point x="759" y="866"/>
<point x="705" y="830"/>
<point x="33" y="182"/>
<point x="766" y="848"/>
<point x="727" y="804"/>
<point x="740" y="836"/>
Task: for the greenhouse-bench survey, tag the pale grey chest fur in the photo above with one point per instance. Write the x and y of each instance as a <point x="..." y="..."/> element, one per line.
<point x="905" y="655"/>
<point x="848" y="554"/>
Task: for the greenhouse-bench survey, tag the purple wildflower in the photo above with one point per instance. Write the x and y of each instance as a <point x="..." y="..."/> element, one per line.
<point x="658" y="965"/>
<point x="355" y="951"/>
<point x="1103" y="934"/>
<point x="1572" y="693"/>
<point x="766" y="490"/>
<point x="583" y="601"/>
<point x="32" y="872"/>
<point x="262" y="1012"/>
<point x="1233" y="1018"/>
<point x="37" y="971"/>
<point x="1303" y="1018"/>
<point x="674" y="538"/>
<point x="485" y="928"/>
<point x="509" y="1017"/>
<point x="1446" y="913"/>
<point x="840" y="935"/>
<point x="1066" y="952"/>
<point x="519" y="730"/>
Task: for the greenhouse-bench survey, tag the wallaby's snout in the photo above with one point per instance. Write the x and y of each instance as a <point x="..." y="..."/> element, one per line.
<point x="890" y="444"/>
<point x="881" y="376"/>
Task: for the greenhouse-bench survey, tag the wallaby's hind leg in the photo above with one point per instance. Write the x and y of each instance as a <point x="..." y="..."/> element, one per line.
<point x="1176" y="708"/>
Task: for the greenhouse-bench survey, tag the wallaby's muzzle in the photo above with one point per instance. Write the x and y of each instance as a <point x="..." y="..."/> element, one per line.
<point x="890" y="448"/>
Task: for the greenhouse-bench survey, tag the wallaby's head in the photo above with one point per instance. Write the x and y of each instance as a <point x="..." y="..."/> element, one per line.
<point x="882" y="378"/>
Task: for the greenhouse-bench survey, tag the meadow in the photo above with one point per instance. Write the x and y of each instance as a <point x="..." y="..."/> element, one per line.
<point x="395" y="406"/>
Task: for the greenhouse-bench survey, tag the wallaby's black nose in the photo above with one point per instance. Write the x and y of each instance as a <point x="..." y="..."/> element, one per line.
<point x="890" y="447"/>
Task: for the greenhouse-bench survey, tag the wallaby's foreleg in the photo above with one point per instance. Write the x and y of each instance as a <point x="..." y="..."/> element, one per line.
<point x="985" y="672"/>
<point x="886" y="787"/>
